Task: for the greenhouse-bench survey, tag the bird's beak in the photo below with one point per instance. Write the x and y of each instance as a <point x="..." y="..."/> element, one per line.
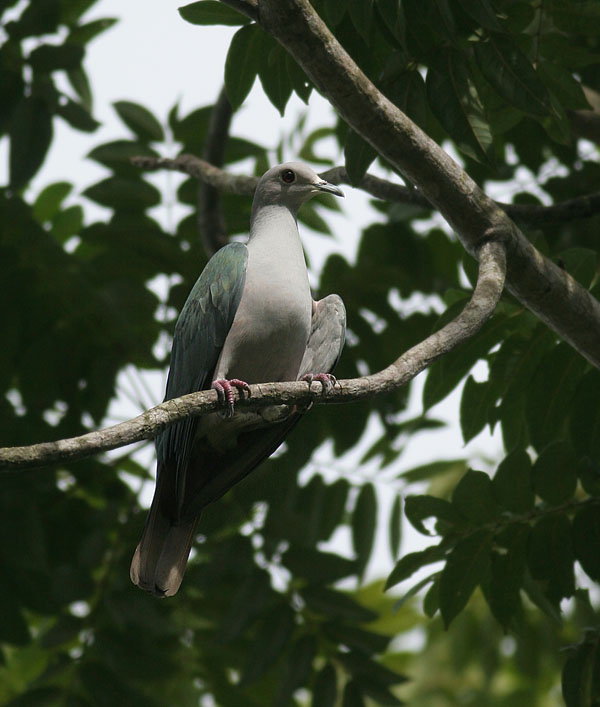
<point x="329" y="188"/>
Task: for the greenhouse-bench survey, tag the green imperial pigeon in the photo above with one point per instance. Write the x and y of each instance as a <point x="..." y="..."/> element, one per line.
<point x="249" y="318"/>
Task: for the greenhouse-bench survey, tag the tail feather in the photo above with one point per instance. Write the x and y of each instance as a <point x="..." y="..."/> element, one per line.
<point x="161" y="556"/>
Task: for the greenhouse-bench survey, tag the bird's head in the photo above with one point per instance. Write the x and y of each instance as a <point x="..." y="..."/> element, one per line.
<point x="291" y="184"/>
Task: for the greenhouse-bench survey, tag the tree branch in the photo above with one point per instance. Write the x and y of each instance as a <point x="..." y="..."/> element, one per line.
<point x="552" y="294"/>
<point x="211" y="222"/>
<point x="487" y="293"/>
<point x="532" y="215"/>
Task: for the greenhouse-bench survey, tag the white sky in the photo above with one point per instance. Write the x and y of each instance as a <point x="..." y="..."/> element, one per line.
<point x="153" y="57"/>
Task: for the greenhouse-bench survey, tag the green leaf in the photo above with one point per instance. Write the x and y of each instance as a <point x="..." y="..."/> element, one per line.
<point x="412" y="562"/>
<point x="48" y="201"/>
<point x="211" y="12"/>
<point x="353" y="696"/>
<point x="511" y="74"/>
<point x="365" y="669"/>
<point x="428" y="471"/>
<point x="273" y="73"/>
<point x="395" y="526"/>
<point x="580" y="263"/>
<point x="82" y="34"/>
<point x="67" y="223"/>
<point x="242" y="64"/>
<point x="333" y="603"/>
<point x="49" y="57"/>
<point x="299" y="80"/>
<point x="550" y="556"/>
<point x="577" y="16"/>
<point x="554" y="478"/>
<point x="585" y="417"/>
<point x="297" y="670"/>
<point x="507" y="572"/>
<point x="124" y="194"/>
<point x="317" y="566"/>
<point x="445" y="374"/>
<point x="580" y="682"/>
<point x="324" y="692"/>
<point x="431" y="602"/>
<point x="453" y="98"/>
<point x="483" y="12"/>
<point x="512" y="485"/>
<point x="364" y="520"/>
<point x="30" y="136"/>
<point x="418" y="508"/>
<point x="78" y="116"/>
<point x="586" y="540"/>
<point x="552" y="389"/>
<point x="564" y="86"/>
<point x="140" y="121"/>
<point x="467" y="565"/>
<point x="473" y="497"/>
<point x="361" y="14"/>
<point x="475" y="404"/>
<point x="355" y="638"/>
<point x="271" y="639"/>
<point x="358" y="155"/>
<point x="81" y="85"/>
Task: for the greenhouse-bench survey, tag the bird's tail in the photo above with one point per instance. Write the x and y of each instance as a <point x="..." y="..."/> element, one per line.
<point x="161" y="556"/>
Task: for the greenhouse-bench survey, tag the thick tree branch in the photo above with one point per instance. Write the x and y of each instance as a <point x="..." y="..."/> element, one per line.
<point x="549" y="292"/>
<point x="211" y="221"/>
<point x="487" y="293"/>
<point x="528" y="214"/>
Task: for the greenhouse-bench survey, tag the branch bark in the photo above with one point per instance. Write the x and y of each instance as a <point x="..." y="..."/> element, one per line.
<point x="532" y="215"/>
<point x="487" y="293"/>
<point x="552" y="294"/>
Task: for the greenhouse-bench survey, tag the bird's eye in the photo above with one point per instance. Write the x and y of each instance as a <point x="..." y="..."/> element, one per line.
<point x="288" y="176"/>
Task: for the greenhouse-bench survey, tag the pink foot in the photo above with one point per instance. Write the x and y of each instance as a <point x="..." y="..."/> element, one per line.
<point x="224" y="390"/>
<point x="327" y="380"/>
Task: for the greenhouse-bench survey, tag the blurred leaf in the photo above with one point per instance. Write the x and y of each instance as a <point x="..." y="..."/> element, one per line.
<point x="333" y="603"/>
<point x="67" y="223"/>
<point x="418" y="508"/>
<point x="30" y="136"/>
<point x="48" y="201"/>
<point x="586" y="540"/>
<point x="554" y="478"/>
<point x="364" y="520"/>
<point x="324" y="692"/>
<point x="483" y="12"/>
<point x="317" y="566"/>
<point x="475" y="404"/>
<point x="507" y="571"/>
<point x="77" y="116"/>
<point x="551" y="392"/>
<point x="409" y="564"/>
<point x="453" y="98"/>
<point x="297" y="669"/>
<point x="272" y="636"/>
<point x="467" y="565"/>
<point x="82" y="34"/>
<point x="49" y="57"/>
<point x="140" y="121"/>
<point x="395" y="526"/>
<point x="358" y="156"/>
<point x="211" y="12"/>
<point x="473" y="497"/>
<point x="124" y="194"/>
<point x="550" y="556"/>
<point x="512" y="485"/>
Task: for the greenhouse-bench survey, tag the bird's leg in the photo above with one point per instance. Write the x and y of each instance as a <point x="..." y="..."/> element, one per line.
<point x="327" y="380"/>
<point x="224" y="388"/>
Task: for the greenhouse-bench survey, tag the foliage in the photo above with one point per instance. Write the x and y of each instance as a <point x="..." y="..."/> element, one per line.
<point x="271" y="611"/>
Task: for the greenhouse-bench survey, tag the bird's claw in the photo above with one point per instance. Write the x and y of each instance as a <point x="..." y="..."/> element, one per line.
<point x="224" y="388"/>
<point x="327" y="380"/>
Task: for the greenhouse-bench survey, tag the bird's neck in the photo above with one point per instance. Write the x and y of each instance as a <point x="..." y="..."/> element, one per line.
<point x="273" y="222"/>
